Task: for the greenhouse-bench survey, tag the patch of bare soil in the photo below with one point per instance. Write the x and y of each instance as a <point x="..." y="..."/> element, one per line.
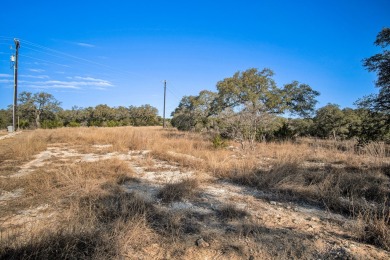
<point x="9" y="135"/>
<point x="223" y="221"/>
<point x="6" y="195"/>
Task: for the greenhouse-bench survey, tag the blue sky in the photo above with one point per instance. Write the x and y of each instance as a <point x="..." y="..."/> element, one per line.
<point x="114" y="52"/>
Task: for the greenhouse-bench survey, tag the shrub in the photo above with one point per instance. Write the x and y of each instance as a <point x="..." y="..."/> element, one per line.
<point x="73" y="124"/>
<point x="50" y="124"/>
<point x="219" y="142"/>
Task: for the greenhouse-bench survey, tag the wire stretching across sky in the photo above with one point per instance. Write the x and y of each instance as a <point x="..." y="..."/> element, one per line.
<point x="61" y="55"/>
<point x="64" y="55"/>
<point x="58" y="64"/>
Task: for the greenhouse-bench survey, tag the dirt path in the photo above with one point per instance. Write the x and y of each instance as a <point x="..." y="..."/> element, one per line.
<point x="330" y="233"/>
<point x="10" y="135"/>
<point x="268" y="229"/>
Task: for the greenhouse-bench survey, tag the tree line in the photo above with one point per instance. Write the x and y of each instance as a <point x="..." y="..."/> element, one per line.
<point x="250" y="107"/>
<point x="247" y="107"/>
<point x="43" y="110"/>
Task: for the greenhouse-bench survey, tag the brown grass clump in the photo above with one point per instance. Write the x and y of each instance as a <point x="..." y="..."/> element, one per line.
<point x="61" y="245"/>
<point x="231" y="212"/>
<point x="186" y="189"/>
<point x="339" y="189"/>
<point x="373" y="226"/>
<point x="95" y="226"/>
<point x="76" y="179"/>
<point x="22" y="147"/>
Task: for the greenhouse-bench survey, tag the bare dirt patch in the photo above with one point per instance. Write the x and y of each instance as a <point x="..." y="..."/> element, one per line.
<point x="9" y="135"/>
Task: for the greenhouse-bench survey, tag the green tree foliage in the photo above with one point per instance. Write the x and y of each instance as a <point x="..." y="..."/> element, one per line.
<point x="284" y="133"/>
<point x="302" y="127"/>
<point x="193" y="112"/>
<point x="42" y="110"/>
<point x="374" y="127"/>
<point x="50" y="124"/>
<point x="380" y="63"/>
<point x="5" y="117"/>
<point x="257" y="89"/>
<point x="184" y="117"/>
<point x="145" y="115"/>
<point x="122" y="115"/>
<point x="353" y="119"/>
<point x="76" y="116"/>
<point x="375" y="108"/>
<point x="104" y="115"/>
<point x="330" y="122"/>
<point x="249" y="88"/>
<point x="101" y="115"/>
<point x="39" y="106"/>
<point x="256" y="100"/>
<point x="299" y="99"/>
<point x="245" y="107"/>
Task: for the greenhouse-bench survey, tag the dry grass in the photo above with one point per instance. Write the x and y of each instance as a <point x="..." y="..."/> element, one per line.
<point x="372" y="226"/>
<point x="93" y="217"/>
<point x="94" y="226"/>
<point x="333" y="175"/>
<point x="27" y="145"/>
<point x="186" y="189"/>
<point x="231" y="212"/>
<point x="96" y="218"/>
<point x="82" y="194"/>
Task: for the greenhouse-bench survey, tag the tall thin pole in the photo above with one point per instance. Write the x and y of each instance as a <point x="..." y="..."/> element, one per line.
<point x="15" y="107"/>
<point x="165" y="94"/>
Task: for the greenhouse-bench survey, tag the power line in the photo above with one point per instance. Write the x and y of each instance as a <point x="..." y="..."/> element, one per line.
<point x="174" y="94"/>
<point x="45" y="61"/>
<point x="63" y="55"/>
<point x="59" y="52"/>
<point x="48" y="53"/>
<point x="81" y="59"/>
<point x="6" y="38"/>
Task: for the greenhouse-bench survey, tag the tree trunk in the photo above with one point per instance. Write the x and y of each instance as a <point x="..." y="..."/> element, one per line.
<point x="38" y="119"/>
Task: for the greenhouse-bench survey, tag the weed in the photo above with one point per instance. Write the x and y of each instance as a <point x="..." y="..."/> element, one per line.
<point x="231" y="212"/>
<point x="219" y="142"/>
<point x="372" y="226"/>
<point x="185" y="189"/>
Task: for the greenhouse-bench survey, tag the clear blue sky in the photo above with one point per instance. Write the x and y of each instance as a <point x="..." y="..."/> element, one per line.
<point x="114" y="52"/>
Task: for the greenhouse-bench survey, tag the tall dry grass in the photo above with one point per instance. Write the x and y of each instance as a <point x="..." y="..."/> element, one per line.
<point x="26" y="145"/>
<point x="93" y="209"/>
<point x="335" y="176"/>
<point x="89" y="215"/>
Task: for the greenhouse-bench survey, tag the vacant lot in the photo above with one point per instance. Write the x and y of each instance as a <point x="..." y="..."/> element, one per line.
<point x="149" y="193"/>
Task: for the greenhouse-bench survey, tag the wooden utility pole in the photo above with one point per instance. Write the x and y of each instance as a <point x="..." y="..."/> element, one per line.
<point x="15" y="107"/>
<point x="165" y="94"/>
